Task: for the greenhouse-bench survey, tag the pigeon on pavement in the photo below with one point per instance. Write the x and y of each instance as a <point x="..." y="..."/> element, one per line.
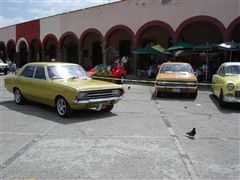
<point x="191" y="133"/>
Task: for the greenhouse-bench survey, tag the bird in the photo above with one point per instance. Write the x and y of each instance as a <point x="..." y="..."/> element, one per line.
<point x="128" y="87"/>
<point x="191" y="133"/>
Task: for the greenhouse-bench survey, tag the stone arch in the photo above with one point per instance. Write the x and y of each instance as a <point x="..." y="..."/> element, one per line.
<point x="233" y="30"/>
<point x="2" y="51"/>
<point x="69" y="47"/>
<point x="11" y="50"/>
<point x="22" y="50"/>
<point x="91" y="44"/>
<point x="35" y="50"/>
<point x="198" y="21"/>
<point x="119" y="40"/>
<point x="19" y="42"/>
<point x="164" y="30"/>
<point x="50" y="46"/>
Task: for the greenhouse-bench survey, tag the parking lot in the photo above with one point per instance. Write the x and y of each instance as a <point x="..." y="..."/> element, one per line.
<point x="142" y="138"/>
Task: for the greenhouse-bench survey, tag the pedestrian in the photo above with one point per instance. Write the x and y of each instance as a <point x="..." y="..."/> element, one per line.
<point x="14" y="67"/>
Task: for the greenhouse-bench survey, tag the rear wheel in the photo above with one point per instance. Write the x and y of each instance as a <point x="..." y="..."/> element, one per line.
<point x="157" y="93"/>
<point x="194" y="95"/>
<point x="62" y="107"/>
<point x="18" y="97"/>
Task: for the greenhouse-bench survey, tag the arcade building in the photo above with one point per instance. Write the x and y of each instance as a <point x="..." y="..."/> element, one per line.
<point x="99" y="34"/>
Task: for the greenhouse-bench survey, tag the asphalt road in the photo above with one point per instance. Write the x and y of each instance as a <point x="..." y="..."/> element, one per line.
<point x="142" y="138"/>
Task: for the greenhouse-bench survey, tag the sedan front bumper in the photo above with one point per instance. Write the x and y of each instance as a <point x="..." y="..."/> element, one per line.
<point x="231" y="99"/>
<point x="99" y="100"/>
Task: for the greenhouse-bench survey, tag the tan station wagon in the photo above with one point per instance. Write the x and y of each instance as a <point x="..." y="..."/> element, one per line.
<point x="176" y="77"/>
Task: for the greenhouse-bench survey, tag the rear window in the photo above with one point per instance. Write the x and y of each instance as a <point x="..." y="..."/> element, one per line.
<point x="28" y="71"/>
<point x="40" y="73"/>
<point x="176" y="68"/>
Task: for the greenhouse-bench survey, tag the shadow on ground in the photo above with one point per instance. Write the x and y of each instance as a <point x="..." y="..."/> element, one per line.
<point x="49" y="113"/>
<point x="230" y="107"/>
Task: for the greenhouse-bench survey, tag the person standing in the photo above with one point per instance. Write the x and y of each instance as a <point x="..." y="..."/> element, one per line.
<point x="14" y="67"/>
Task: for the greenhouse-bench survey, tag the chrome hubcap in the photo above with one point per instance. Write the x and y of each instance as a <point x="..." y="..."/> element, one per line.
<point x="17" y="96"/>
<point x="61" y="106"/>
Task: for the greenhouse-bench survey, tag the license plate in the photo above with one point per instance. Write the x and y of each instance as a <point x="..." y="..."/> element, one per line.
<point x="176" y="90"/>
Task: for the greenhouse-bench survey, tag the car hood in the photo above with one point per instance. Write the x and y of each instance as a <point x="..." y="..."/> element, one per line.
<point x="87" y="84"/>
<point x="176" y="77"/>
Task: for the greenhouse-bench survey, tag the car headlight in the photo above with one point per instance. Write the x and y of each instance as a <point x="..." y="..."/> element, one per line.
<point x="81" y="95"/>
<point x="230" y="86"/>
<point x="117" y="92"/>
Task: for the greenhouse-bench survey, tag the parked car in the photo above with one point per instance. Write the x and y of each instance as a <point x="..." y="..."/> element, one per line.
<point x="176" y="77"/>
<point x="65" y="86"/>
<point x="3" y="67"/>
<point x="226" y="83"/>
<point x="108" y="71"/>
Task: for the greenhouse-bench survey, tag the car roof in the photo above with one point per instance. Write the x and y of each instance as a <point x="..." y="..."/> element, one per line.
<point x="50" y="63"/>
<point x="175" y="63"/>
<point x="231" y="63"/>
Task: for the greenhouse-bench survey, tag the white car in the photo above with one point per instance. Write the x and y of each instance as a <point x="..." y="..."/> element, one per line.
<point x="3" y="67"/>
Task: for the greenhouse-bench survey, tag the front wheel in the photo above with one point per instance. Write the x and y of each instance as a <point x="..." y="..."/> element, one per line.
<point x="18" y="97"/>
<point x="222" y="103"/>
<point x="62" y="107"/>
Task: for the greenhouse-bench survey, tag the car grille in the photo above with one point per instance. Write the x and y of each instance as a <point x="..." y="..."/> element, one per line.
<point x="100" y="94"/>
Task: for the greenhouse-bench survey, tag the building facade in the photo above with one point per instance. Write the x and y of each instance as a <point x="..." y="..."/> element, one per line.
<point x="98" y="34"/>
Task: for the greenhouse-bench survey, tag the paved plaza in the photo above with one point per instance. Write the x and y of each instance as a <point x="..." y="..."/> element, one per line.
<point x="142" y="138"/>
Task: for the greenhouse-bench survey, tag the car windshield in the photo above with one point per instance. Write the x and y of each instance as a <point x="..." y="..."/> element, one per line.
<point x="66" y="72"/>
<point x="232" y="70"/>
<point x="176" y="68"/>
<point x="1" y="61"/>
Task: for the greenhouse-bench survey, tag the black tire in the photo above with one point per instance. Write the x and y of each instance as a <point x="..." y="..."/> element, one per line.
<point x="108" y="108"/>
<point x="5" y="71"/>
<point x="222" y="104"/>
<point x="158" y="94"/>
<point x="18" y="97"/>
<point x="62" y="107"/>
<point x="194" y="95"/>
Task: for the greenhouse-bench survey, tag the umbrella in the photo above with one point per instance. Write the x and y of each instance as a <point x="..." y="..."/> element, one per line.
<point x="160" y="49"/>
<point x="203" y="47"/>
<point x="180" y="46"/>
<point x="146" y="51"/>
<point x="228" y="46"/>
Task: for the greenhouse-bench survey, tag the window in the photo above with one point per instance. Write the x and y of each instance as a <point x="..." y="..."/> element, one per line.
<point x="40" y="73"/>
<point x="28" y="71"/>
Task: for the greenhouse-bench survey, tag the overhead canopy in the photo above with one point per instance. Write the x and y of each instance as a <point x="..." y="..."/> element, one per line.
<point x="160" y="49"/>
<point x="228" y="46"/>
<point x="203" y="47"/>
<point x="146" y="51"/>
<point x="180" y="46"/>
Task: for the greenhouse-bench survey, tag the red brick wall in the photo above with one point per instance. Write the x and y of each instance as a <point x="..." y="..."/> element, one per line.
<point x="29" y="30"/>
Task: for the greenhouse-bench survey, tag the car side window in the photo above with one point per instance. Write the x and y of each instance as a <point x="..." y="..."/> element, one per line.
<point x="40" y="73"/>
<point x="28" y="71"/>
